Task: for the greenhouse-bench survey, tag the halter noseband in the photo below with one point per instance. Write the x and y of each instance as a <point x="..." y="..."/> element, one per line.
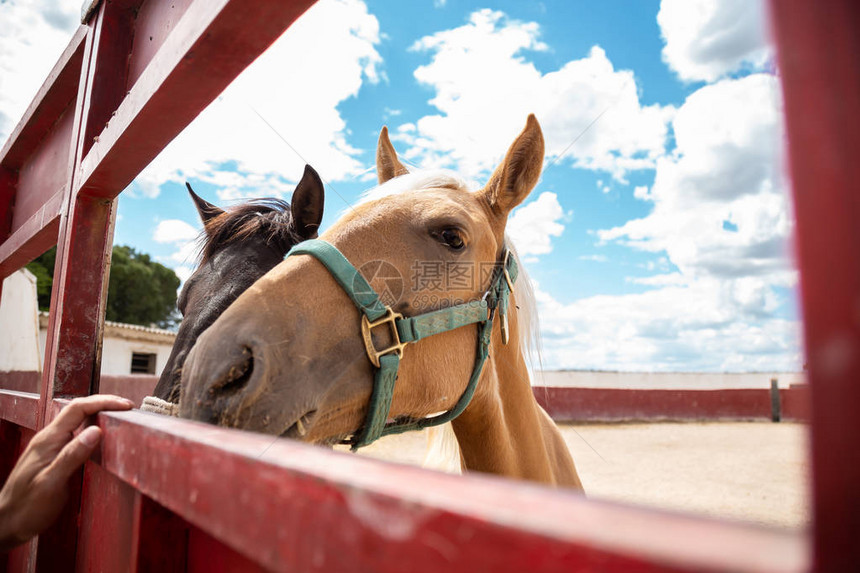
<point x="406" y="330"/>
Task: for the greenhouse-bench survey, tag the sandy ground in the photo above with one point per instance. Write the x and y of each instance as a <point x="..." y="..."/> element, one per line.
<point x="750" y="471"/>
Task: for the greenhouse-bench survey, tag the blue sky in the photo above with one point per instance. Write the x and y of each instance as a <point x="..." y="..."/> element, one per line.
<point x="658" y="237"/>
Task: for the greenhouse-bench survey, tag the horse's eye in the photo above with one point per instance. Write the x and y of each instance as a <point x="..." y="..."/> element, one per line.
<point x="452" y="239"/>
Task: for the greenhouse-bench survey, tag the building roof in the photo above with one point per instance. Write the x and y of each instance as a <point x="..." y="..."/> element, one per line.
<point x="128" y="331"/>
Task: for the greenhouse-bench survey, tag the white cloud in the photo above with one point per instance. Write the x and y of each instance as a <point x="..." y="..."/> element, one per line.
<point x="707" y="39"/>
<point x="594" y="258"/>
<point x="659" y="280"/>
<point x="322" y="60"/>
<point x="183" y="237"/>
<point x="183" y="272"/>
<point x="717" y="310"/>
<point x="34" y="34"/>
<point x="296" y="86"/>
<point x="174" y="230"/>
<point x="642" y="192"/>
<point x="485" y="87"/>
<point x="185" y="253"/>
<point x="726" y="167"/>
<point x="707" y="325"/>
<point x="532" y="226"/>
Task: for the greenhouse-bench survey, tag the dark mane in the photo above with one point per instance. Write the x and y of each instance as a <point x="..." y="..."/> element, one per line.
<point x="268" y="217"/>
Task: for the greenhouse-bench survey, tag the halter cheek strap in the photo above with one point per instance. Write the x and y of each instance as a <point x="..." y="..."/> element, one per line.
<point x="406" y="330"/>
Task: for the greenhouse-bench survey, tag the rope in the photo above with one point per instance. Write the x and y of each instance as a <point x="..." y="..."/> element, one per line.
<point x="159" y="406"/>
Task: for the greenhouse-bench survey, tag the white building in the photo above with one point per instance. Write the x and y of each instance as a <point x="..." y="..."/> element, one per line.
<point x="127" y="348"/>
<point x="19" y="324"/>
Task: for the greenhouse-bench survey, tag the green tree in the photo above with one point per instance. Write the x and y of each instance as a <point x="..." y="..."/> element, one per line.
<point x="43" y="268"/>
<point x="140" y="290"/>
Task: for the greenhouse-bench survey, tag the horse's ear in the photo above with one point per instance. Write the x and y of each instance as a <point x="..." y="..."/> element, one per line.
<point x="307" y="204"/>
<point x="518" y="174"/>
<point x="205" y="209"/>
<point x="387" y="164"/>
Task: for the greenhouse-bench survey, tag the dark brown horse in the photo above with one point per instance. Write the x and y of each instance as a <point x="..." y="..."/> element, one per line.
<point x="240" y="245"/>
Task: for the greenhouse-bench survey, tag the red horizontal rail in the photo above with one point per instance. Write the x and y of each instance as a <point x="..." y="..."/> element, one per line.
<point x="58" y="90"/>
<point x="34" y="161"/>
<point x="209" y="46"/>
<point x="20" y="408"/>
<point x="290" y="506"/>
<point x="33" y="237"/>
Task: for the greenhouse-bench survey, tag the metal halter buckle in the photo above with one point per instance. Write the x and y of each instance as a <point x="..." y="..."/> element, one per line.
<point x="366" y="328"/>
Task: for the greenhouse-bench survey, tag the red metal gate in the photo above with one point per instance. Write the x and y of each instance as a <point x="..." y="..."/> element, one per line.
<point x="167" y="494"/>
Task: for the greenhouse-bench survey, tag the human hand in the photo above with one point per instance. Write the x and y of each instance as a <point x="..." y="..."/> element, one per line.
<point x="37" y="489"/>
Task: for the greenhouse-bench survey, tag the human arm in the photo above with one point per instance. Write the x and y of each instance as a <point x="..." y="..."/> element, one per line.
<point x="37" y="488"/>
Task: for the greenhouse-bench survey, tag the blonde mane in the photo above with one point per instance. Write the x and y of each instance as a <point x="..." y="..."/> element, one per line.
<point x="443" y="452"/>
<point x="417" y="180"/>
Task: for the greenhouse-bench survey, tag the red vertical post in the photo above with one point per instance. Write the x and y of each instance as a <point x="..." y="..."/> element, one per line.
<point x="7" y="192"/>
<point x="23" y="557"/>
<point x="106" y="526"/>
<point x="159" y="539"/>
<point x="73" y="347"/>
<point x="819" y="58"/>
<point x="56" y="322"/>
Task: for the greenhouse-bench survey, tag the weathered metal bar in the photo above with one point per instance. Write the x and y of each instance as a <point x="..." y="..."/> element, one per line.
<point x="73" y="339"/>
<point x="304" y="508"/>
<point x="33" y="164"/>
<point x="19" y="408"/>
<point x="209" y="46"/>
<point x="819" y="55"/>
<point x="160" y="538"/>
<point x="10" y="438"/>
<point x="8" y="183"/>
<point x="23" y="557"/>
<point x="105" y="537"/>
<point x="32" y="237"/>
<point x="207" y="554"/>
<point x="58" y="292"/>
<point x="48" y="104"/>
<point x="73" y="345"/>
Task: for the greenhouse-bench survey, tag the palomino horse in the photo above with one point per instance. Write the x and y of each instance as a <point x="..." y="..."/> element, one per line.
<point x="311" y="352"/>
<point x="240" y="245"/>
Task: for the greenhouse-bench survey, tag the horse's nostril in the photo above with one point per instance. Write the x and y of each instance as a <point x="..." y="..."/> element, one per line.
<point x="238" y="375"/>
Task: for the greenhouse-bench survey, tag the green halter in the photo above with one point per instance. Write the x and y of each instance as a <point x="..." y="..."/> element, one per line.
<point x="405" y="330"/>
